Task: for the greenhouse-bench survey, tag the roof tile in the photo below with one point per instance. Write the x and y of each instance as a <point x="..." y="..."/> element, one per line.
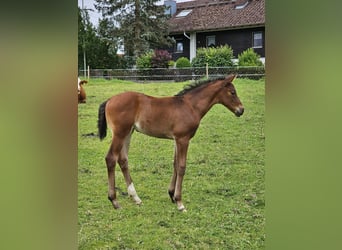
<point x="218" y="15"/>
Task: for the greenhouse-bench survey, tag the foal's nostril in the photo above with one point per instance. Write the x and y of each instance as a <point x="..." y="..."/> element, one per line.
<point x="239" y="111"/>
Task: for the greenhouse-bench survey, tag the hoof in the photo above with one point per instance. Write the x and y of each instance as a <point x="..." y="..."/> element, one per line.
<point x="138" y="202"/>
<point x="181" y="208"/>
<point x="136" y="199"/>
<point x="116" y="205"/>
<point x="114" y="202"/>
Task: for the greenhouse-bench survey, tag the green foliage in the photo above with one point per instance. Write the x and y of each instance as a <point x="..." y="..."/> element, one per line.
<point x="144" y="61"/>
<point x="160" y="59"/>
<point x="171" y="64"/>
<point x="97" y="44"/>
<point x="154" y="59"/>
<point x="249" y="58"/>
<point x="223" y="188"/>
<point x="215" y="57"/>
<point x="141" y="24"/>
<point x="183" y="62"/>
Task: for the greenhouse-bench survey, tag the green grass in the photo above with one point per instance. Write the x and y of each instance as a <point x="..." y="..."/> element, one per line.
<point x="223" y="189"/>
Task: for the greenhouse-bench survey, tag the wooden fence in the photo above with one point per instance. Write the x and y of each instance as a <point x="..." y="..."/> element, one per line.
<point x="173" y="74"/>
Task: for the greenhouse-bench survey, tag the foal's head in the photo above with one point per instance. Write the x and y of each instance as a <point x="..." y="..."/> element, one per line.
<point x="81" y="92"/>
<point x="228" y="96"/>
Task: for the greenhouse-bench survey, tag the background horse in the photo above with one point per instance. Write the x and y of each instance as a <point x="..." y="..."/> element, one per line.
<point x="176" y="117"/>
<point x="81" y="92"/>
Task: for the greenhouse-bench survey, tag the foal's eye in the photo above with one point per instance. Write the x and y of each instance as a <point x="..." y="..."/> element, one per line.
<point x="233" y="92"/>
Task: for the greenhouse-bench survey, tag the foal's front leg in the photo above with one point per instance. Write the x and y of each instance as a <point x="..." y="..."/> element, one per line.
<point x="182" y="149"/>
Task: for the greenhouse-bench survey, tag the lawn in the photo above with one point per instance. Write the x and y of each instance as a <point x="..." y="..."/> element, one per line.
<point x="223" y="189"/>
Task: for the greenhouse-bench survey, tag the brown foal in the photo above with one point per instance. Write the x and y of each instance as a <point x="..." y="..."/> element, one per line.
<point x="176" y="117"/>
<point x="81" y="92"/>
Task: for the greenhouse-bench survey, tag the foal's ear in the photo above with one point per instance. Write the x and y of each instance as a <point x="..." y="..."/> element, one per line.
<point x="230" y="78"/>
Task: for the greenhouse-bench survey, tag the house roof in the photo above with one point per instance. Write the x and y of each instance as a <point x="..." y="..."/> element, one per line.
<point x="212" y="15"/>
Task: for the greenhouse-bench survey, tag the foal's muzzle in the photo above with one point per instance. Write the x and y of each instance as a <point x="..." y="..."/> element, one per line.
<point x="239" y="111"/>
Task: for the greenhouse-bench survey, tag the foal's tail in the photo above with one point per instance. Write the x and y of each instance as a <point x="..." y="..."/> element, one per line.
<point x="101" y="122"/>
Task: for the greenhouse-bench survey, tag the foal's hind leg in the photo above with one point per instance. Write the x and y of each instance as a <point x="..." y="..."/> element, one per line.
<point x="123" y="162"/>
<point x="111" y="159"/>
<point x="173" y="178"/>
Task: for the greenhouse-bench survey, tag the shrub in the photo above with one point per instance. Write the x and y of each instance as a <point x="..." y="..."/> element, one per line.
<point x="160" y="59"/>
<point x="215" y="57"/>
<point x="183" y="62"/>
<point x="171" y="64"/>
<point x="249" y="58"/>
<point x="144" y="61"/>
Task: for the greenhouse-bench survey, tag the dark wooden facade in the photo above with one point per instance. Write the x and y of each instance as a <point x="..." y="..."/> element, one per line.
<point x="239" y="24"/>
<point x="238" y="39"/>
<point x="186" y="47"/>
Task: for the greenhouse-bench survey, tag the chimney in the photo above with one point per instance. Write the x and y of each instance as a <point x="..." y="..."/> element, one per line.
<point x="171" y="7"/>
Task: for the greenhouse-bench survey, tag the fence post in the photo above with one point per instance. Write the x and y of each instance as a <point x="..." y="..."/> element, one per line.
<point x="207" y="70"/>
<point x="88" y="72"/>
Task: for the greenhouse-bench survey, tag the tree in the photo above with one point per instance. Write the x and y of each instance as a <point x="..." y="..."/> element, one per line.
<point x="85" y="31"/>
<point x="99" y="46"/>
<point x="142" y="24"/>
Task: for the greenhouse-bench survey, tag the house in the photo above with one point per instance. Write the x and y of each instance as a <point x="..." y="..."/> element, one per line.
<point x="205" y="23"/>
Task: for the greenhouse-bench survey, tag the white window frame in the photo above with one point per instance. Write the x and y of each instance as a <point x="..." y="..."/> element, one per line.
<point x="209" y="38"/>
<point x="183" y="13"/>
<point x="179" y="43"/>
<point x="257" y="45"/>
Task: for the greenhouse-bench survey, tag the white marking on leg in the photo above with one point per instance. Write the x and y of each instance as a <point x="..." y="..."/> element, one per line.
<point x="181" y="207"/>
<point x="133" y="193"/>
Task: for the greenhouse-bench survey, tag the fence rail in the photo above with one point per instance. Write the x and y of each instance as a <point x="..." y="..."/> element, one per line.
<point x="174" y="74"/>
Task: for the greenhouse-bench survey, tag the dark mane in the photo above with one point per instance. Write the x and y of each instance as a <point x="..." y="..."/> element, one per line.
<point x="196" y="84"/>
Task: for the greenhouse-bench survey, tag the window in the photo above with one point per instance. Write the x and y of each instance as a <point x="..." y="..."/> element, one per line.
<point x="184" y="13"/>
<point x="179" y="47"/>
<point x="257" y="40"/>
<point x="240" y="7"/>
<point x="211" y="41"/>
